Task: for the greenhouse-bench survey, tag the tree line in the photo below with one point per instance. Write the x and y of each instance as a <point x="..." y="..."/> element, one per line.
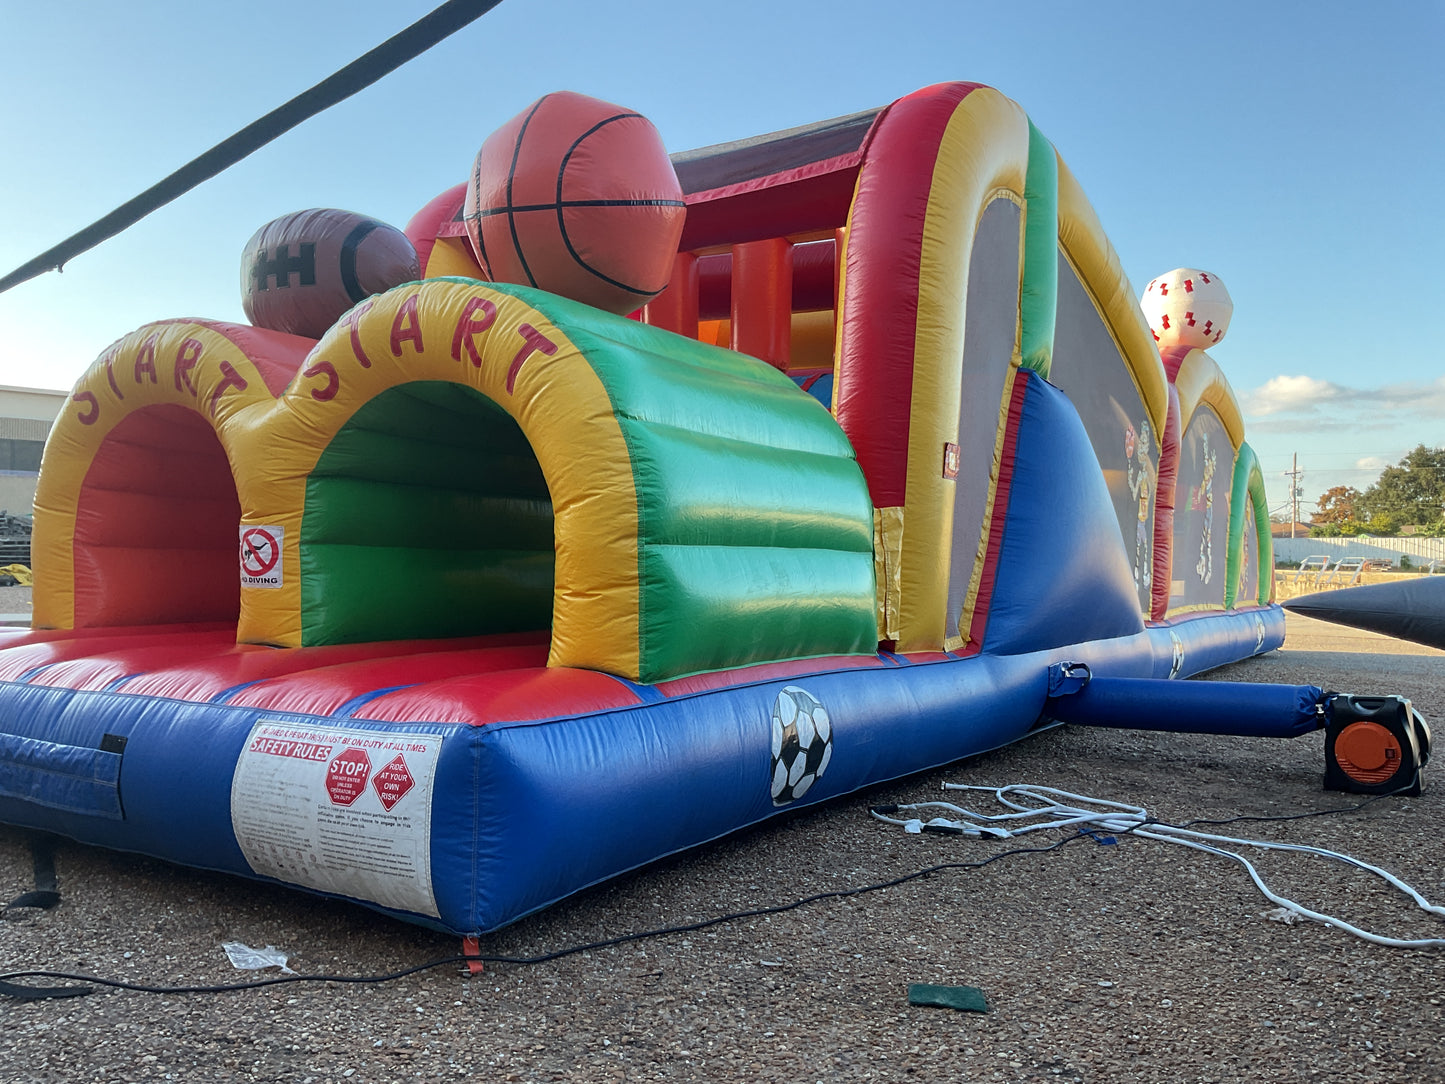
<point x="1409" y="494"/>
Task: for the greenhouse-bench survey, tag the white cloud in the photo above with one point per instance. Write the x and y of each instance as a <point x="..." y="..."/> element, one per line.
<point x="1304" y="397"/>
<point x="1372" y="462"/>
<point x="1291" y="394"/>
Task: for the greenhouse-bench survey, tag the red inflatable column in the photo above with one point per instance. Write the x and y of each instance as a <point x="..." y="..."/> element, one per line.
<point x="675" y="309"/>
<point x="762" y="301"/>
<point x="1173" y="357"/>
<point x="1165" y="492"/>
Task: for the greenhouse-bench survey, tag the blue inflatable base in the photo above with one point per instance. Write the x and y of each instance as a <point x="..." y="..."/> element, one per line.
<point x="467" y="828"/>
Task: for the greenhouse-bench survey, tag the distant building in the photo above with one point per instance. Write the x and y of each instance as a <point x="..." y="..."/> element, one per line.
<point x="26" y="415"/>
<point x="1282" y="530"/>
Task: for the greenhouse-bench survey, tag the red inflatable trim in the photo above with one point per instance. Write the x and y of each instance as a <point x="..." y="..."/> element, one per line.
<point x="803" y="200"/>
<point x="543" y="693"/>
<point x="989" y="576"/>
<point x="880" y="311"/>
<point x="770" y="671"/>
<point x="441" y="217"/>
<point x="1165" y="493"/>
<point x="323" y="691"/>
<point x="33" y="653"/>
<point x="248" y="664"/>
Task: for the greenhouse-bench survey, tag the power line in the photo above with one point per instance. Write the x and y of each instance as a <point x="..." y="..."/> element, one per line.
<point x="391" y="54"/>
<point x="1295" y="491"/>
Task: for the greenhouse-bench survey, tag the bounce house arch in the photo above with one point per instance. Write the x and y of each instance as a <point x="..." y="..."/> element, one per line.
<point x="1201" y="383"/>
<point x="1220" y="489"/>
<point x="1247" y="501"/>
<point x="137" y="507"/>
<point x="936" y="165"/>
<point x="1085" y="248"/>
<point x="1106" y="362"/>
<point x="666" y="470"/>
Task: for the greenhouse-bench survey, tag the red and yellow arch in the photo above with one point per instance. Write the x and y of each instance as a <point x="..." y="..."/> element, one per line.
<point x="136" y="508"/>
<point x="934" y="162"/>
<point x="456" y="458"/>
<point x="459" y="331"/>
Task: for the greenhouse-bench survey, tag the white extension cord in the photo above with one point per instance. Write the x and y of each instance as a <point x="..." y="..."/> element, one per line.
<point x="1039" y="808"/>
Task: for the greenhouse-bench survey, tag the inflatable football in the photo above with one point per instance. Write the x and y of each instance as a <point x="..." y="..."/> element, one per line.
<point x="577" y="197"/>
<point x="301" y="272"/>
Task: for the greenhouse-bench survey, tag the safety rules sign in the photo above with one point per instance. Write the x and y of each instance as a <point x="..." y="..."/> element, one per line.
<point x="261" y="556"/>
<point x="340" y="810"/>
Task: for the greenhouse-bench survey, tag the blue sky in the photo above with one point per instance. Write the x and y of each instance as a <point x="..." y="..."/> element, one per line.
<point x="1294" y="149"/>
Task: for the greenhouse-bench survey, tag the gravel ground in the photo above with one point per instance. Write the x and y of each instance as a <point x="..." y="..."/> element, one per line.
<point x="1102" y="964"/>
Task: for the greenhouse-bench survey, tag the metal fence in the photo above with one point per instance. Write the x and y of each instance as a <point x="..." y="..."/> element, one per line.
<point x="14" y="539"/>
<point x="1421" y="551"/>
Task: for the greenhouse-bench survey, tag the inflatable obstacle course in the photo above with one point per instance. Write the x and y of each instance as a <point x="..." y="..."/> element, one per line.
<point x="485" y="594"/>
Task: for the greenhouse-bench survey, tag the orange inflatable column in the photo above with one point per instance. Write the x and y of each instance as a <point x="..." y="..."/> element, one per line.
<point x="675" y="309"/>
<point x="762" y="303"/>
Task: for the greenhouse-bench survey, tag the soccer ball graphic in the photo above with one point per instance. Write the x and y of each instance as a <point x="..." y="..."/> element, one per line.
<point x="802" y="743"/>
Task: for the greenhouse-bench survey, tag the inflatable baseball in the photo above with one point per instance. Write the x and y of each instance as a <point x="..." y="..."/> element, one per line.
<point x="1187" y="307"/>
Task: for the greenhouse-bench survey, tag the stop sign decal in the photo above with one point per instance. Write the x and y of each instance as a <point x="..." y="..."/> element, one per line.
<point x="392" y="782"/>
<point x="346" y="776"/>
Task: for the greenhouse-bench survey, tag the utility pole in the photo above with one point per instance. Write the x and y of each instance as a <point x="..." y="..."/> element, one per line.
<point x="1294" y="491"/>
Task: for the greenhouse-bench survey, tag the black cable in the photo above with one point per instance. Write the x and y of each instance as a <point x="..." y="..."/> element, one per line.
<point x="25" y="993"/>
<point x="391" y="54"/>
<point x="841" y="893"/>
<point x="31" y="993"/>
<point x="1300" y="816"/>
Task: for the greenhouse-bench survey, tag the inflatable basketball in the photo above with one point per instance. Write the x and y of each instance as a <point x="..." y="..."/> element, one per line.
<point x="301" y="272"/>
<point x="577" y="197"/>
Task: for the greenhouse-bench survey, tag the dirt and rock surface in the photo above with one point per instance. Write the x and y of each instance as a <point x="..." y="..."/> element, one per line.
<point x="1101" y="963"/>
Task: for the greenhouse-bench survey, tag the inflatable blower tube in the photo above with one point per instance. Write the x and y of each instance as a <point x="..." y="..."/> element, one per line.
<point x="1409" y="609"/>
<point x="1193" y="707"/>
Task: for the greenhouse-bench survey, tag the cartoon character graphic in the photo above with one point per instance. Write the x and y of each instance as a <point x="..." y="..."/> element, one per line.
<point x="1204" y="568"/>
<point x="1136" y="450"/>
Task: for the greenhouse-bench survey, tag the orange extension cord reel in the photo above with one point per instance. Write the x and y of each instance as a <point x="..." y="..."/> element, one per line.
<point x="1375" y="745"/>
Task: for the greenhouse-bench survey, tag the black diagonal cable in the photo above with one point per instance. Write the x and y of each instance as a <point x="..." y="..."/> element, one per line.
<point x="391" y="54"/>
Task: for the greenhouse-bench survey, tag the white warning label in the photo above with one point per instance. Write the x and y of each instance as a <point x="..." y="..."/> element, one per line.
<point x="261" y="556"/>
<point x="339" y="810"/>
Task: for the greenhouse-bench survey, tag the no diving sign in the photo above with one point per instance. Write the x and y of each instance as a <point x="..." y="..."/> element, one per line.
<point x="261" y="556"/>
